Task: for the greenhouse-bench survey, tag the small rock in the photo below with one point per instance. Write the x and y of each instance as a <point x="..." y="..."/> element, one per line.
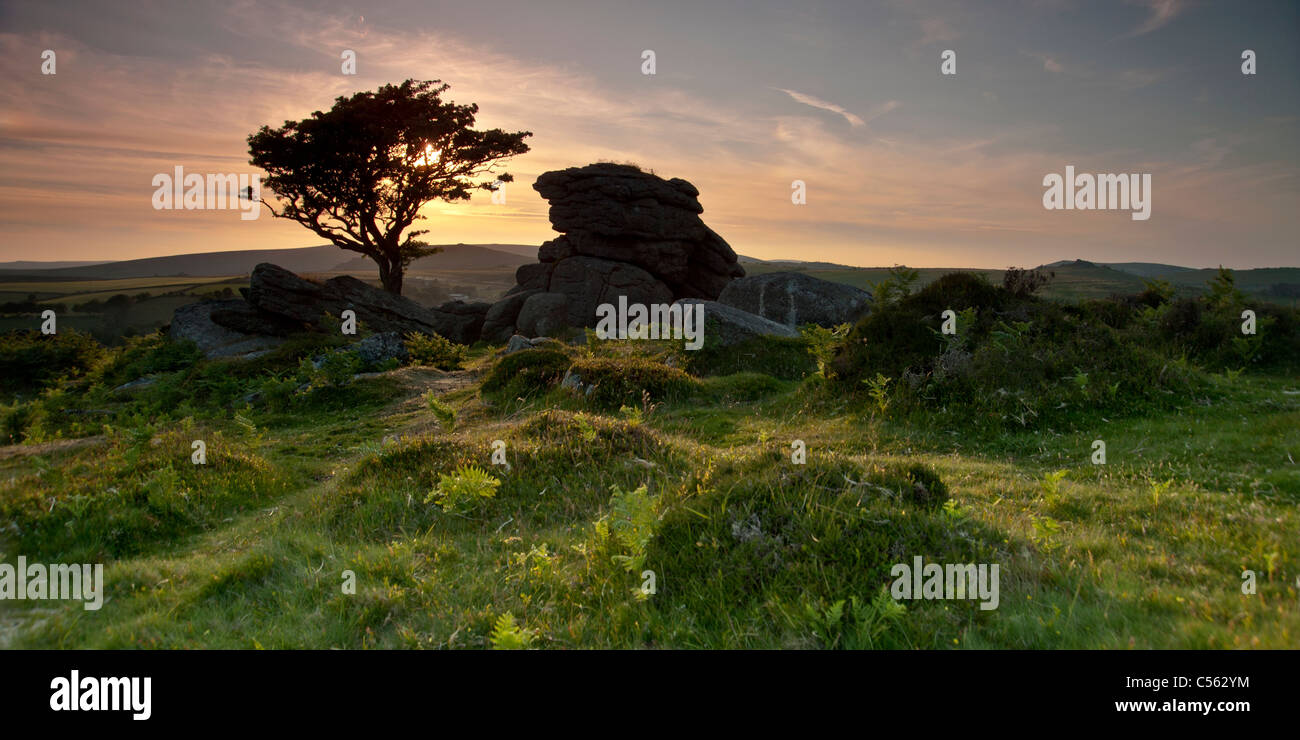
<point x="571" y="381"/>
<point x="378" y="348"/>
<point x="518" y="343"/>
<point x="136" y="384"/>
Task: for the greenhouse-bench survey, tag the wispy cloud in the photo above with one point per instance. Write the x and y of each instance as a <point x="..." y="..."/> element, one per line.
<point x="816" y="102"/>
<point x="1160" y="13"/>
<point x="1133" y="79"/>
<point x="1049" y="63"/>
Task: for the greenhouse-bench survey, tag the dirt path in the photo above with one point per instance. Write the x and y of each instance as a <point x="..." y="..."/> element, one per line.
<point x="8" y="452"/>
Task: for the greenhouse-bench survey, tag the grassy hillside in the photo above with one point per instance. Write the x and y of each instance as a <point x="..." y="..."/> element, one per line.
<point x="317" y="478"/>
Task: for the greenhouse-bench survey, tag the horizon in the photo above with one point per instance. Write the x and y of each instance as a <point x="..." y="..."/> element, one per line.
<point x="903" y="165"/>
<point x="344" y="258"/>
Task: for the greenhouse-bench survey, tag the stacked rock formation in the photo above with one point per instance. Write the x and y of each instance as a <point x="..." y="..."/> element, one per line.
<point x="624" y="232"/>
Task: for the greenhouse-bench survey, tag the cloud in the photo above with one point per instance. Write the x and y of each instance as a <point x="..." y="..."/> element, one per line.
<point x="936" y="28"/>
<point x="853" y="120"/>
<point x="1133" y="79"/>
<point x="1161" y="12"/>
<point x="1050" y="64"/>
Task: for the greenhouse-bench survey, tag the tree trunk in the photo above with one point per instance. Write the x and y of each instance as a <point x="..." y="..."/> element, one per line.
<point x="390" y="276"/>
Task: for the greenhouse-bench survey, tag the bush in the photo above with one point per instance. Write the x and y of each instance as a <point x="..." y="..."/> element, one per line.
<point x="1015" y="361"/>
<point x="30" y="360"/>
<point x="435" y="351"/>
<point x="902" y="335"/>
<point x="527" y="372"/>
<point x="610" y="383"/>
<point x="756" y="532"/>
<point x="147" y="355"/>
<point x="1024" y="283"/>
<point x="338" y="368"/>
<point x="21" y="422"/>
<point x="1210" y="333"/>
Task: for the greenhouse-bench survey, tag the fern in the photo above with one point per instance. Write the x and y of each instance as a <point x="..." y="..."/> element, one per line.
<point x="508" y="635"/>
<point x="463" y="490"/>
<point x="630" y="524"/>
<point x="445" y="414"/>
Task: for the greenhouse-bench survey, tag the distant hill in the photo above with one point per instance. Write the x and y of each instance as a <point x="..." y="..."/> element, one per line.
<point x="306" y="259"/>
<point x="1147" y="269"/>
<point x="454" y="257"/>
<point x="32" y="265"/>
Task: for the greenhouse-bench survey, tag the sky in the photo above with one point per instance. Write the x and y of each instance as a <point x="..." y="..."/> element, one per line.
<point x="901" y="164"/>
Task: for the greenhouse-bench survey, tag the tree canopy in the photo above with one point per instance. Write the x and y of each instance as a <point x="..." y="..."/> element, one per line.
<point x="359" y="173"/>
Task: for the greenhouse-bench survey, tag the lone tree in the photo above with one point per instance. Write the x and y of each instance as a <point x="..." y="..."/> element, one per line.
<point x="359" y="173"/>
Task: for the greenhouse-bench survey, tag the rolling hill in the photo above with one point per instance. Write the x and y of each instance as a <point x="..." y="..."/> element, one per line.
<point x="241" y="262"/>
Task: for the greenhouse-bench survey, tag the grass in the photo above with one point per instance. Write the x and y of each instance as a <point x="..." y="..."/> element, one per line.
<point x="255" y="549"/>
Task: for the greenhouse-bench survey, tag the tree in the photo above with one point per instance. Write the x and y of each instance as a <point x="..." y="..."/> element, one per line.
<point x="359" y="173"/>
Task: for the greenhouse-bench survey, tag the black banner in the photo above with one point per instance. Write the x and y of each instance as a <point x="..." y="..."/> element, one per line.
<point x="329" y="689"/>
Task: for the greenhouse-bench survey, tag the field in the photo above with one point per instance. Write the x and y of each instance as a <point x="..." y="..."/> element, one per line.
<point x="1078" y="281"/>
<point x="149" y="312"/>
<point x="690" y="478"/>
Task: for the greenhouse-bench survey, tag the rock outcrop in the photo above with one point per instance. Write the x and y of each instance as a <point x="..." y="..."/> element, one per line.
<point x="279" y="303"/>
<point x="194" y="322"/>
<point x="726" y="325"/>
<point x="624" y="232"/>
<point x="794" y="298"/>
<point x="277" y="291"/>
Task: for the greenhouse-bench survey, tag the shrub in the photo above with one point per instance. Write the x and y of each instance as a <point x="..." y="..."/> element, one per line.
<point x="1024" y="283"/>
<point x="902" y="335"/>
<point x="527" y="372"/>
<point x="435" y="351"/>
<point x="21" y="422"/>
<point x="610" y="383"/>
<point x="338" y="368"/>
<point x="757" y="532"/>
<point x="1015" y="361"/>
<point x="150" y="354"/>
<point x="30" y="360"/>
<point x="895" y="287"/>
<point x="278" y="392"/>
<point x="823" y="343"/>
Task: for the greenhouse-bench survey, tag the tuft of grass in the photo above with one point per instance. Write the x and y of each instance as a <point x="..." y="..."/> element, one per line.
<point x="609" y="383"/>
<point x="526" y="372"/>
